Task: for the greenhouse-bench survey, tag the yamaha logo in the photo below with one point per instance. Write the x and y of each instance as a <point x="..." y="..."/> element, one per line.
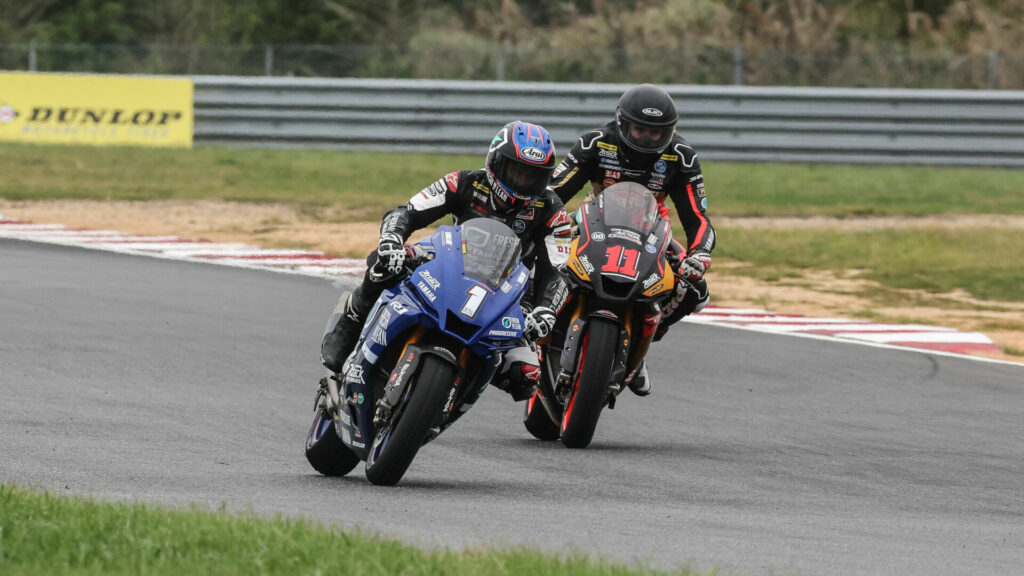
<point x="652" y="112"/>
<point x="533" y="154"/>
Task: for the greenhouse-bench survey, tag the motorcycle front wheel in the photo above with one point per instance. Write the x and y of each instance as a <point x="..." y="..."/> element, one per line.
<point x="397" y="443"/>
<point x="590" y="382"/>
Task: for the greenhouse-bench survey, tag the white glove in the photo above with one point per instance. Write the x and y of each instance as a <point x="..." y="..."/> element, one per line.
<point x="539" y="322"/>
<point x="391" y="253"/>
<point x="694" y="266"/>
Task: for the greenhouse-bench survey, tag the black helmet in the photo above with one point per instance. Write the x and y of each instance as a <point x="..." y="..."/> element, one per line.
<point x="520" y="161"/>
<point x="646" y="118"/>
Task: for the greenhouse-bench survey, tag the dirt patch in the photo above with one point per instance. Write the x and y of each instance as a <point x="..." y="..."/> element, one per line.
<point x="816" y="293"/>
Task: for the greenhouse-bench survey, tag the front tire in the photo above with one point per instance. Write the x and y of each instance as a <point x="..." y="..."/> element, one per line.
<point x="396" y="445"/>
<point x="590" y="389"/>
<point x="325" y="451"/>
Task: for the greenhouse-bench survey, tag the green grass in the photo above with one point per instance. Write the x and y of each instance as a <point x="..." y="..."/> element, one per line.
<point x="836" y="190"/>
<point x="987" y="263"/>
<point x="363" y="182"/>
<point x="369" y="182"/>
<point x="45" y="534"/>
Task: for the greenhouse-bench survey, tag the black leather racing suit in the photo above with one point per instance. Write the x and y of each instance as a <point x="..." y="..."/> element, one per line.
<point x="543" y="228"/>
<point x="598" y="158"/>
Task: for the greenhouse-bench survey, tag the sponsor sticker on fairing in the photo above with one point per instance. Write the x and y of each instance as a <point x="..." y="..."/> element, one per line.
<point x="511" y="322"/>
<point x="503" y="333"/>
<point x="426" y="290"/>
<point x="586" y="264"/>
<point x="434" y="283"/>
<point x="625" y="234"/>
<point x="597" y="236"/>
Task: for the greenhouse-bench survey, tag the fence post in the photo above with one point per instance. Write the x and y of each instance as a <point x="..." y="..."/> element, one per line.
<point x="737" y="65"/>
<point x="993" y="70"/>
<point x="32" y="56"/>
<point x="268" y="60"/>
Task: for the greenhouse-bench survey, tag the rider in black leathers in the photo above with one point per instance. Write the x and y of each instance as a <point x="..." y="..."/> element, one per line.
<point x="641" y="145"/>
<point x="512" y="189"/>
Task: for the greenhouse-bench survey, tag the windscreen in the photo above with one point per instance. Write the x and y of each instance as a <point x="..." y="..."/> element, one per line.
<point x="490" y="250"/>
<point x="631" y="205"/>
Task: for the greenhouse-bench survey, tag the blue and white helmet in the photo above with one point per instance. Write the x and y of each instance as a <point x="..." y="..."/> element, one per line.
<point x="520" y="162"/>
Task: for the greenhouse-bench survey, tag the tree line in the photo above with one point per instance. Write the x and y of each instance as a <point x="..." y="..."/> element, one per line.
<point x="592" y="40"/>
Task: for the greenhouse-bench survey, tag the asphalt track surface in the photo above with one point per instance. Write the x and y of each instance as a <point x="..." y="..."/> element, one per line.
<point x="171" y="382"/>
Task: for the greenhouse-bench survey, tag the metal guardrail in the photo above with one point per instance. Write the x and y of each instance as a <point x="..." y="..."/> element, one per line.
<point x="887" y="126"/>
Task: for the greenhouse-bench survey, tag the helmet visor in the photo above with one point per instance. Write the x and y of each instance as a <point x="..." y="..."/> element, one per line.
<point x="523" y="181"/>
<point x="644" y="137"/>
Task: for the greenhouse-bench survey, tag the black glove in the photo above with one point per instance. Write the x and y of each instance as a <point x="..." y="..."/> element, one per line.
<point x="391" y="253"/>
<point x="539" y="322"/>
<point x="694" y="266"/>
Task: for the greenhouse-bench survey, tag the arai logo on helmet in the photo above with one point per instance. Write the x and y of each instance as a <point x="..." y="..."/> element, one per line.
<point x="533" y="154"/>
<point x="652" y="112"/>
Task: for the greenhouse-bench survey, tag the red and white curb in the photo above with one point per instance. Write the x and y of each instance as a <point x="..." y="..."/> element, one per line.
<point x="303" y="262"/>
<point x="919" y="337"/>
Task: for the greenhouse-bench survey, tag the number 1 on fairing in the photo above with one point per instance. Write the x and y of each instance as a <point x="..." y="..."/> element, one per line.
<point x="477" y="293"/>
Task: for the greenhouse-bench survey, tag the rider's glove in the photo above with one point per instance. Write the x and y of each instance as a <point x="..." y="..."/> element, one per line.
<point x="391" y="252"/>
<point x="539" y="322"/>
<point x="694" y="266"/>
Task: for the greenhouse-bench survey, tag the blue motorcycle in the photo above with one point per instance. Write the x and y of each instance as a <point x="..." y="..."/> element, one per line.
<point x="428" y="349"/>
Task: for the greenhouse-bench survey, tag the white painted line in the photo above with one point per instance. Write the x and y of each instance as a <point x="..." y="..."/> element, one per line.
<point x="947" y="337"/>
<point x="840" y="327"/>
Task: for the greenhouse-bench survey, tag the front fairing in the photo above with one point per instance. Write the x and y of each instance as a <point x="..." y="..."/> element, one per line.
<point x="621" y="263"/>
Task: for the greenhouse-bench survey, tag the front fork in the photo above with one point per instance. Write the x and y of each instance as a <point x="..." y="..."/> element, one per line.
<point x="554" y="389"/>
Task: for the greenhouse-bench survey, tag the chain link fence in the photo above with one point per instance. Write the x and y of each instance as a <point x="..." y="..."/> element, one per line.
<point x="875" y="67"/>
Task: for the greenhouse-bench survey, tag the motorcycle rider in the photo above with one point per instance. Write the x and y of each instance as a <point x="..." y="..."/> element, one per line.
<point x="513" y="189"/>
<point x="641" y="145"/>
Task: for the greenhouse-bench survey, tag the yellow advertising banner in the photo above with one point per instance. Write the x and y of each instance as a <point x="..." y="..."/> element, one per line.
<point x="97" y="110"/>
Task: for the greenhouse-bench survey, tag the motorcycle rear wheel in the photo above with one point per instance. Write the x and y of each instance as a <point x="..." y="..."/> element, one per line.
<point x="413" y="418"/>
<point x="325" y="451"/>
<point x="537" y="421"/>
<point x="590" y="389"/>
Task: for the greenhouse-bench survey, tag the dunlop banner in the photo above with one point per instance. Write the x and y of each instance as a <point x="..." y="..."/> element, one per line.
<point x="98" y="110"/>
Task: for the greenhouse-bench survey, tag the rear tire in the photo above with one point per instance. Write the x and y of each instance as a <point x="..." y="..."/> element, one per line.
<point x="590" y="390"/>
<point x="405" y="433"/>
<point x="325" y="451"/>
<point x="537" y="421"/>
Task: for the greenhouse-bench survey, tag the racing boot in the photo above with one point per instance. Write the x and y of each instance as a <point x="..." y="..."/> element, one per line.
<point x="340" y="341"/>
<point x="641" y="382"/>
<point x="518" y="373"/>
